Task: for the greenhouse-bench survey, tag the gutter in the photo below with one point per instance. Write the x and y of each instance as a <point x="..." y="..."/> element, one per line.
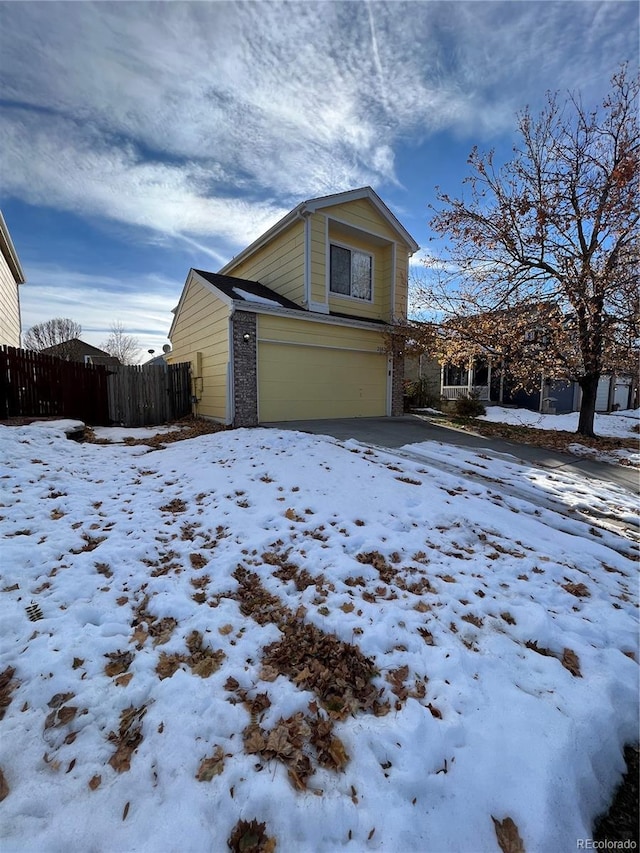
<point x="278" y="311"/>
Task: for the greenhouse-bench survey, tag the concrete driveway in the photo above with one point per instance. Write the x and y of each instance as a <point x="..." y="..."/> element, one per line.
<point x="410" y="429"/>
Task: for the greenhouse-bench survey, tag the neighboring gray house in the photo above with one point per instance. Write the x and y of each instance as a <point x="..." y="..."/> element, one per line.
<point x="11" y="277"/>
<point x="77" y="350"/>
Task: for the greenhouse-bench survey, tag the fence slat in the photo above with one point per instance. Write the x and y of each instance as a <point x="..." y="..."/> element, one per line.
<point x="144" y="395"/>
<point x="37" y="385"/>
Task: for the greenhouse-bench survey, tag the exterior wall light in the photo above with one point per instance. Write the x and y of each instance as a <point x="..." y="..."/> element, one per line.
<point x="246" y="336"/>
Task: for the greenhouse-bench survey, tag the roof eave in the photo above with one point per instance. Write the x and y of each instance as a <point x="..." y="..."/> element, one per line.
<point x="314" y="204"/>
<point x="369" y="193"/>
<point x="268" y="235"/>
<point x="9" y="252"/>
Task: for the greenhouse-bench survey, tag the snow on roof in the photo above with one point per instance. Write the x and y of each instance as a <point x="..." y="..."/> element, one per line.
<point x="251" y="297"/>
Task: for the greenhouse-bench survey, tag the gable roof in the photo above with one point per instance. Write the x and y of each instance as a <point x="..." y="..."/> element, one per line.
<point x="76" y="350"/>
<point x="314" y="204"/>
<point x="242" y="290"/>
<point x="9" y="251"/>
<point x="254" y="294"/>
<point x="245" y="290"/>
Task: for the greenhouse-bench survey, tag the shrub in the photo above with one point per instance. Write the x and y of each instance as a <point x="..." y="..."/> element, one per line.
<point x="468" y="407"/>
<point x="421" y="394"/>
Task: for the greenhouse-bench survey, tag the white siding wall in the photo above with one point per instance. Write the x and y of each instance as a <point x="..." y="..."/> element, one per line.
<point x="9" y="306"/>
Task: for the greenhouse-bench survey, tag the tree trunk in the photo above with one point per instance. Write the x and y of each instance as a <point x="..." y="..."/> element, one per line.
<point x="589" y="386"/>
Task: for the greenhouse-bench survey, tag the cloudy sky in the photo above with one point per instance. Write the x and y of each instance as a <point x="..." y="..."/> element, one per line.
<point x="139" y="139"/>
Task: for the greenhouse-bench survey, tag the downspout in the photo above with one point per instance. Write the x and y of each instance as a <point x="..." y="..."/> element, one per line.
<point x="231" y="400"/>
<point x="304" y="216"/>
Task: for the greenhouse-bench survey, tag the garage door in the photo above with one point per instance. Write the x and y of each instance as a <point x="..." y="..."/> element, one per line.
<point x="298" y="382"/>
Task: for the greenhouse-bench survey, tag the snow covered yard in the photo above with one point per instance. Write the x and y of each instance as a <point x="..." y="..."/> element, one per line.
<point x="622" y="424"/>
<point x="361" y="650"/>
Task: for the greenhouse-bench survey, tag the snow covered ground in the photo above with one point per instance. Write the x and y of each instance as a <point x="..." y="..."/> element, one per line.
<point x="364" y="650"/>
<point x="616" y="424"/>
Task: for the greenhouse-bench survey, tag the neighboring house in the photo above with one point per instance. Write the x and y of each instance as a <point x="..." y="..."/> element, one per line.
<point x="11" y="277"/>
<point x="482" y="379"/>
<point x="296" y="325"/>
<point x="77" y="350"/>
<point x="617" y="392"/>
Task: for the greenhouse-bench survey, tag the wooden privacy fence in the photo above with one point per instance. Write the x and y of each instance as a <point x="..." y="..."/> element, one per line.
<point x="143" y="395"/>
<point x="40" y="386"/>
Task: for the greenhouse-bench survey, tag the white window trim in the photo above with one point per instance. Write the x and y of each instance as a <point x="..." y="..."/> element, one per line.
<point x="351" y="248"/>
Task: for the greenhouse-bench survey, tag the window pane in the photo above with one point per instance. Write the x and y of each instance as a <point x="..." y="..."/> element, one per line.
<point x="455" y="375"/>
<point x="360" y="275"/>
<point x="340" y="270"/>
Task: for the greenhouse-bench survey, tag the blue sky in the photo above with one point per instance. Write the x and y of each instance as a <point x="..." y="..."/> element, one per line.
<point x="139" y="139"/>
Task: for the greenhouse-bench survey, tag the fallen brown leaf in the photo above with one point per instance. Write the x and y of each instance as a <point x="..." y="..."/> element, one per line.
<point x="577" y="589"/>
<point x="119" y="663"/>
<point x="4" y="787"/>
<point x="66" y="714"/>
<point x="211" y="767"/>
<point x="508" y="836"/>
<point x="128" y="737"/>
<point x="250" y="837"/>
<point x="7" y="686"/>
<point x="571" y="662"/>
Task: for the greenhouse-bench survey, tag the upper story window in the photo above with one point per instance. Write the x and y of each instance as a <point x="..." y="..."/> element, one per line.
<point x="350" y="273"/>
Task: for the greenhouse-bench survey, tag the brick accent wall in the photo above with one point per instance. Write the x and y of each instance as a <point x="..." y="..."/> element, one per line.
<point x="397" y="386"/>
<point x="245" y="376"/>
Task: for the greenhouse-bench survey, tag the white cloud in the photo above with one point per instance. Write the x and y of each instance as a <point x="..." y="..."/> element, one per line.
<point x="63" y="166"/>
<point x="143" y="305"/>
<point x="213" y="119"/>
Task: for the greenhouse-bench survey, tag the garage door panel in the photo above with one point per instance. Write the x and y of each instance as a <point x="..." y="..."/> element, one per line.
<point x="298" y="382"/>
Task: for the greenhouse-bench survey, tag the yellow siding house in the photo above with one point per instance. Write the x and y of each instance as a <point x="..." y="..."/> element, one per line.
<point x="296" y="326"/>
<point x="11" y="276"/>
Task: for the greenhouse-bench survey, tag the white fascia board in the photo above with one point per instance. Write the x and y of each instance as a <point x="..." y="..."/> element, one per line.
<point x="280" y="225"/>
<point x="9" y="251"/>
<point x="193" y="276"/>
<point x="370" y="194"/>
<point x="314" y="204"/>
<point x="255" y="308"/>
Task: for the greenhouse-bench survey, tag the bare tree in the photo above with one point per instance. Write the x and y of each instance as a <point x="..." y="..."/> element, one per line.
<point x="59" y="331"/>
<point x="124" y="347"/>
<point x="555" y="234"/>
